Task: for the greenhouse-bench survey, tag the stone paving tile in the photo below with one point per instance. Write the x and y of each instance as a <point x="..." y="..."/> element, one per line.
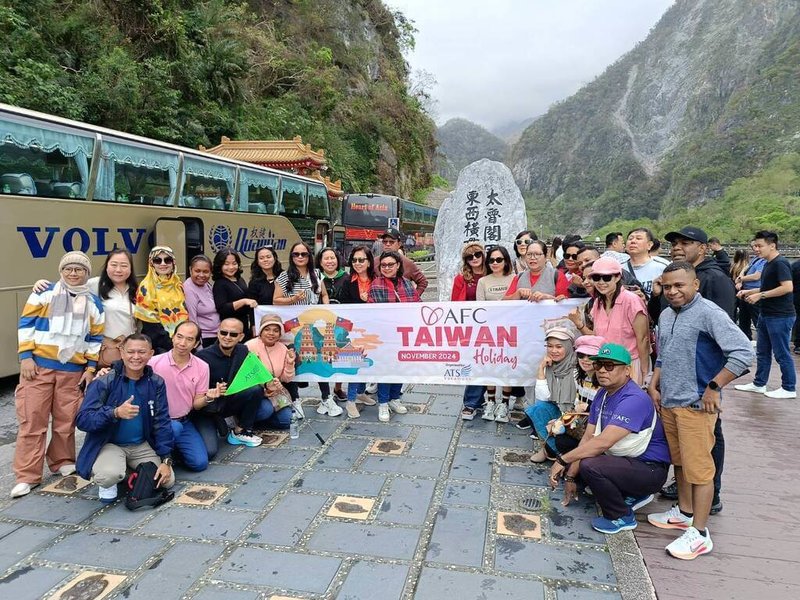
<point x="573" y="523"/>
<point x="118" y="517"/>
<point x="472" y="463"/>
<point x="367" y="577"/>
<point x="298" y="572"/>
<point x="466" y="492"/>
<point x="407" y="501"/>
<point x="293" y="457"/>
<point x="495" y="440"/>
<point x="573" y="593"/>
<point x="176" y="571"/>
<point x="586" y="565"/>
<point x="307" y="438"/>
<point x="417" y="397"/>
<point x="378" y="430"/>
<point x="103" y="550"/>
<point x="219" y="593"/>
<point x="459" y="537"/>
<point x="259" y="489"/>
<point x="425" y="420"/>
<point x="445" y="390"/>
<point x="357" y="484"/>
<point x="6" y="528"/>
<point x="213" y="474"/>
<point x="446" y="405"/>
<point x="342" y="454"/>
<point x="529" y="475"/>
<point x="22" y="541"/>
<point x="52" y="509"/>
<point x="431" y="443"/>
<point x="286" y="522"/>
<point x="200" y="523"/>
<point x="31" y="583"/>
<point x="370" y="540"/>
<point x="403" y="465"/>
<point x="435" y="584"/>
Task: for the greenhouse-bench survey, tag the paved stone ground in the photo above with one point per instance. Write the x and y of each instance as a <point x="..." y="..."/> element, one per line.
<point x="424" y="506"/>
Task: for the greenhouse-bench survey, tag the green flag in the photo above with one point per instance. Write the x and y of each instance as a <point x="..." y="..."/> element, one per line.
<point x="252" y="372"/>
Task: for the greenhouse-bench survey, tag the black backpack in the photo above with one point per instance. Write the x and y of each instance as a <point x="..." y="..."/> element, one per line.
<point x="142" y="490"/>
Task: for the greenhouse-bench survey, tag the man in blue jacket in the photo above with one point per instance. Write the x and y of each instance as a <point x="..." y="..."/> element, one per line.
<point x="126" y="419"/>
<point x="700" y="351"/>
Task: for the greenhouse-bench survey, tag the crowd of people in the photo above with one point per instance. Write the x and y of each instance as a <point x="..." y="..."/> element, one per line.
<point x="630" y="384"/>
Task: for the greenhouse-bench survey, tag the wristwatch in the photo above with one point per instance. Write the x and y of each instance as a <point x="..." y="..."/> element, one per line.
<point x="713" y="385"/>
<point x="167" y="460"/>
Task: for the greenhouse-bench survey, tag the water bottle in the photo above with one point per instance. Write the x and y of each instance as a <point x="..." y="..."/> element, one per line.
<point x="294" y="428"/>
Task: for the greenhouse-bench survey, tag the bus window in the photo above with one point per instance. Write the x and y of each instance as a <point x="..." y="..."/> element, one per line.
<point x="293" y="198"/>
<point x="135" y="174"/>
<point x="258" y="192"/>
<point x="35" y="161"/>
<point x="207" y="184"/>
<point x="318" y="202"/>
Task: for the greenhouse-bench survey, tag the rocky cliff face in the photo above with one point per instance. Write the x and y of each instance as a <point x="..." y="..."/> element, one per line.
<point x="710" y="95"/>
<point x="462" y="142"/>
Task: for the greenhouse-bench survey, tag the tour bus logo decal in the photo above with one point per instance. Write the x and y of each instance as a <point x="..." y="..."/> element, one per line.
<point x="97" y="241"/>
<point x="247" y="240"/>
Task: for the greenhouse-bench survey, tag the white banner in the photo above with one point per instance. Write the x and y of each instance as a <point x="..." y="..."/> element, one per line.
<point x="482" y="343"/>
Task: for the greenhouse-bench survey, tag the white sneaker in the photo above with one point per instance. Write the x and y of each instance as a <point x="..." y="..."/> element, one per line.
<point x="244" y="438"/>
<point x="372" y="388"/>
<point x="671" y="519"/>
<point x="107" y="494"/>
<point x="749" y="387"/>
<point x="397" y="406"/>
<point x="488" y="411"/>
<point x="298" y="408"/>
<point x="501" y="413"/>
<point x="383" y="413"/>
<point x="66" y="470"/>
<point x="22" y="489"/>
<point x="691" y="544"/>
<point x="781" y="394"/>
<point x="365" y="400"/>
<point x="329" y="407"/>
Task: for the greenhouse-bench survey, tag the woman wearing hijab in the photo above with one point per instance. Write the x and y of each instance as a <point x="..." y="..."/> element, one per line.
<point x="60" y="332"/>
<point x="555" y="389"/>
<point x="160" y="301"/>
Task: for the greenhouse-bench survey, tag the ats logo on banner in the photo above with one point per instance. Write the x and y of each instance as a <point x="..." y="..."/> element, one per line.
<point x="456" y="372"/>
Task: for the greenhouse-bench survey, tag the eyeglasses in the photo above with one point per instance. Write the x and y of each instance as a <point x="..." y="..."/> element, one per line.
<point x="167" y="260"/>
<point x="300" y="254"/>
<point x="534" y="255"/>
<point x="597" y="277"/>
<point x="497" y="260"/>
<point x="360" y="260"/>
<point x="77" y="270"/>
<point x="388" y="265"/>
<point x="526" y="242"/>
<point x="473" y="256"/>
<point x="571" y="256"/>
<point x="224" y="333"/>
<point x="606" y="366"/>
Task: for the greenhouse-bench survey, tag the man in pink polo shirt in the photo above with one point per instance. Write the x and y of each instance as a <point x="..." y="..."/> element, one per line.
<point x="186" y="378"/>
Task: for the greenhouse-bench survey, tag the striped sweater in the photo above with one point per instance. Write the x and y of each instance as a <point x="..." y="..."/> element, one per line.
<point x="36" y="342"/>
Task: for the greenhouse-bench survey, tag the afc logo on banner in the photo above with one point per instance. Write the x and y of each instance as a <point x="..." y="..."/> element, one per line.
<point x="100" y="240"/>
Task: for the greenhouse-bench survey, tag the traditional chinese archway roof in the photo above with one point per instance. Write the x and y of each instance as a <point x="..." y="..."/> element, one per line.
<point x="287" y="155"/>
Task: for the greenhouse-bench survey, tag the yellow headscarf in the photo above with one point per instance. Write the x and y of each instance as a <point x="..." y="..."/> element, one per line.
<point x="161" y="299"/>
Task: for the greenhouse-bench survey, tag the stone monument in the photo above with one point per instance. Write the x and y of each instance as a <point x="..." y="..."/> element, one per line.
<point x="486" y="207"/>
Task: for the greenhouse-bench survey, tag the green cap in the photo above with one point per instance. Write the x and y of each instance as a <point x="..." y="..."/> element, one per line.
<point x="613" y="352"/>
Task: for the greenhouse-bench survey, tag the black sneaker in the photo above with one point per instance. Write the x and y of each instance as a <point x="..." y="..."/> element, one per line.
<point x="670" y="492"/>
<point x="524" y="423"/>
<point x="716" y="507"/>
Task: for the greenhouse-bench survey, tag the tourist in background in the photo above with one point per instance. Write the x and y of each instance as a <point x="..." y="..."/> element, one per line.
<point x="615" y="248"/>
<point x="160" y="300"/>
<point x="521" y="243"/>
<point x="230" y="290"/>
<point x="749" y="280"/>
<point x="723" y="259"/>
<point x="392" y="242"/>
<point x="644" y="267"/>
<point x="200" y="299"/>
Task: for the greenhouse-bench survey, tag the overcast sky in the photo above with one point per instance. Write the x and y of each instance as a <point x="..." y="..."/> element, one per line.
<point x="499" y="61"/>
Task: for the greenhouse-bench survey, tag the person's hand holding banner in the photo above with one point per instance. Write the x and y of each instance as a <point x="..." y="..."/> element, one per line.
<point x="252" y="372"/>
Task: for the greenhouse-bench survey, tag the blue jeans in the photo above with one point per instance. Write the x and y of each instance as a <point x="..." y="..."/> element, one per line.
<point x="389" y="391"/>
<point x="353" y="389"/>
<point x="190" y="446"/>
<point x="773" y="338"/>
<point x="473" y="396"/>
<point x="269" y="418"/>
<point x="540" y="415"/>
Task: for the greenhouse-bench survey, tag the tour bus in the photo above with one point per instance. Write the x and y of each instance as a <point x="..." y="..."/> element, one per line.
<point x="68" y="186"/>
<point x="366" y="217"/>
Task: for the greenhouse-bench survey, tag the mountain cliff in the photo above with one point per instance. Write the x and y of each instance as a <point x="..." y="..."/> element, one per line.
<point x="712" y="94"/>
<point x="462" y="142"/>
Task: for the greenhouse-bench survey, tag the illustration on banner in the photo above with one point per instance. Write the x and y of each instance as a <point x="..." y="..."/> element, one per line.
<point x="327" y="344"/>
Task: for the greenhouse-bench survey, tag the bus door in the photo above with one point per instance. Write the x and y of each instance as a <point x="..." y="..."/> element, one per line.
<point x="184" y="235"/>
<point x="321" y="231"/>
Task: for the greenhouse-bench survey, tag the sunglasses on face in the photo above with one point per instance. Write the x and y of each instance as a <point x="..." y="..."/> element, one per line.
<point x="571" y="256"/>
<point x="224" y="333"/>
<point x="389" y="265"/>
<point x="167" y="260"/>
<point x="606" y="366"/>
<point x="473" y="256"/>
<point x="497" y="260"/>
<point x="360" y="260"/>
<point x="523" y="242"/>
<point x="300" y="254"/>
<point x="597" y="278"/>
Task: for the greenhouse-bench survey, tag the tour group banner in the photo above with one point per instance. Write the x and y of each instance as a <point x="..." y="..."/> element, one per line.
<point x="455" y="343"/>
